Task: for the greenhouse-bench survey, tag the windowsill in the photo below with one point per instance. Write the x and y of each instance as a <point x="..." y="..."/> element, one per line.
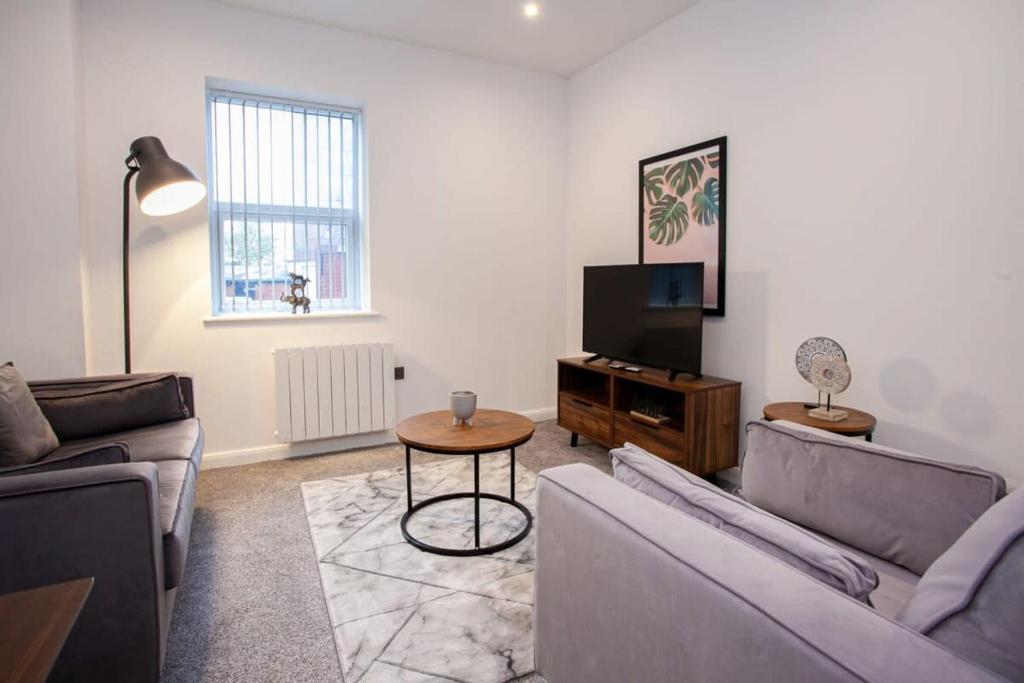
<point x="228" y="318"/>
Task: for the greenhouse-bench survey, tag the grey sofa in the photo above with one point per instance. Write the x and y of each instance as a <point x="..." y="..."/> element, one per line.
<point x="631" y="589"/>
<point x="114" y="506"/>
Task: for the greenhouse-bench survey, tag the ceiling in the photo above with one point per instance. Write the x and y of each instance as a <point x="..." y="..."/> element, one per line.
<point x="565" y="37"/>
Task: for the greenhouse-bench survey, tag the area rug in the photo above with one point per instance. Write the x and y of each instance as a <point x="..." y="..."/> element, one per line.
<point x="400" y="614"/>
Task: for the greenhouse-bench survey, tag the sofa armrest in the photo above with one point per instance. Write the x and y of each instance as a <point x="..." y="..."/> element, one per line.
<point x="99" y="522"/>
<point x="895" y="505"/>
<point x="630" y="589"/>
<point x="66" y="458"/>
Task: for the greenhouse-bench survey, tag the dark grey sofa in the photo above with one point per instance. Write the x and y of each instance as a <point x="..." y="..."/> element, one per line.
<point x="116" y="507"/>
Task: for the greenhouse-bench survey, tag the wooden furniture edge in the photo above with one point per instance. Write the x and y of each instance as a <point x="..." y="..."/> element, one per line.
<point x="43" y="646"/>
<point x="654" y="376"/>
<point x="489" y="447"/>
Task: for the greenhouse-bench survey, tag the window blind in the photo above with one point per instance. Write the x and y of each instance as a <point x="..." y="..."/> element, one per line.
<point x="284" y="199"/>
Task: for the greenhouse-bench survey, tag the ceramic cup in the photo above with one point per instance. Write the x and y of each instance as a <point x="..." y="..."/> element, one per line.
<point x="463" y="406"/>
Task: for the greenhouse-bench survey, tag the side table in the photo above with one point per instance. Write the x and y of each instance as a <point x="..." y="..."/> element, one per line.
<point x="857" y="423"/>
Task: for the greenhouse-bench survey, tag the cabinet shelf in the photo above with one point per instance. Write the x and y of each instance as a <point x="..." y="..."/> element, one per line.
<point x="673" y="424"/>
<point x="593" y="398"/>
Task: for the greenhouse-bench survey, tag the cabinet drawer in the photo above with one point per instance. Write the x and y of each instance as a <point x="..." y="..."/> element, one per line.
<point x="584" y="418"/>
<point x="663" y="441"/>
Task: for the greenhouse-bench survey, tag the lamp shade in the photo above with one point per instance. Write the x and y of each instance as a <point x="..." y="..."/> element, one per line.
<point x="163" y="186"/>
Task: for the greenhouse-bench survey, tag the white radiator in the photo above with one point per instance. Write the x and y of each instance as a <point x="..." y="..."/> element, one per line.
<point x="328" y="391"/>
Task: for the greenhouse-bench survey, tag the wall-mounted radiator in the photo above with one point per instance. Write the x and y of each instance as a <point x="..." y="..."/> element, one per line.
<point x="328" y="391"/>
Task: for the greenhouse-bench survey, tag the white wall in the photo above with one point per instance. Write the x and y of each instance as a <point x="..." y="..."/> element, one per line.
<point x="875" y="179"/>
<point x="466" y="171"/>
<point x="40" y="275"/>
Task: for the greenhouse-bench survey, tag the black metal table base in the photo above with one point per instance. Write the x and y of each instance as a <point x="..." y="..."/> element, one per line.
<point x="476" y="495"/>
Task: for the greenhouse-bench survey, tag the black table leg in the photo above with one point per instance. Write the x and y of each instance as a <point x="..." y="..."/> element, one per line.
<point x="867" y="437"/>
<point x="574" y="440"/>
<point x="408" y="476"/>
<point x="512" y="474"/>
<point x="476" y="497"/>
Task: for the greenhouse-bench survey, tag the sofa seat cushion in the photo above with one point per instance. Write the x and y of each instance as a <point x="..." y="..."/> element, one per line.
<point x="972" y="598"/>
<point x="177" y="498"/>
<point x="895" y="583"/>
<point x="179" y="440"/>
<point x="771" y="535"/>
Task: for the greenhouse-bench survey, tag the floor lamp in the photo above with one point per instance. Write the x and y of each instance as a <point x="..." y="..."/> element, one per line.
<point x="164" y="187"/>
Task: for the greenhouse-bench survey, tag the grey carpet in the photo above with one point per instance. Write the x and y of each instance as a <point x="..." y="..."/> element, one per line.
<point x="251" y="607"/>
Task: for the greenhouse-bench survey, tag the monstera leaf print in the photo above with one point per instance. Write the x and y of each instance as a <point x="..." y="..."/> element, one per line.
<point x="685" y="175"/>
<point x="705" y="203"/>
<point x="713" y="159"/>
<point x="652" y="184"/>
<point x="668" y="221"/>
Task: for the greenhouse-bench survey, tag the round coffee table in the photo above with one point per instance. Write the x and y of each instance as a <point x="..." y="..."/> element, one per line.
<point x="857" y="423"/>
<point x="492" y="431"/>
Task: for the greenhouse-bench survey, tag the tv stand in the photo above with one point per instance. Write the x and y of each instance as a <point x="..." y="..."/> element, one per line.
<point x="700" y="434"/>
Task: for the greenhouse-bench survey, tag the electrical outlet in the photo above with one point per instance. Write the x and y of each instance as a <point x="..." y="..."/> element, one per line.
<point x="400" y="372"/>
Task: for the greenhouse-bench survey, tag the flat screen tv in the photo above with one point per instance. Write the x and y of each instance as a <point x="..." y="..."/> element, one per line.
<point x="649" y="314"/>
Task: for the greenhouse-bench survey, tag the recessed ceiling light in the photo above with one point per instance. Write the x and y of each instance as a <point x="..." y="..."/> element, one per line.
<point x="531" y="9"/>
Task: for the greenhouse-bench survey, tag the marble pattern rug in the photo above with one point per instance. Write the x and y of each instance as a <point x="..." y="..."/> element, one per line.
<point x="400" y="614"/>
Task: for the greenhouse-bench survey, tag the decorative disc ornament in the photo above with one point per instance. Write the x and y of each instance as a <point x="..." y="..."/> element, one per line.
<point x="830" y="374"/>
<point x="813" y="348"/>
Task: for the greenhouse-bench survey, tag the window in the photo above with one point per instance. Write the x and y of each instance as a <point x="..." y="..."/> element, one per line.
<point x="284" y="198"/>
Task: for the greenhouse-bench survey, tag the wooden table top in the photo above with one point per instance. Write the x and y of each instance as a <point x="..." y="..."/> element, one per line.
<point x="492" y="430"/>
<point x="33" y="627"/>
<point x="857" y="423"/>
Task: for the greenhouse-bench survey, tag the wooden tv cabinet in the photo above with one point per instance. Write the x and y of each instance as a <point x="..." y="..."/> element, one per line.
<point x="702" y="431"/>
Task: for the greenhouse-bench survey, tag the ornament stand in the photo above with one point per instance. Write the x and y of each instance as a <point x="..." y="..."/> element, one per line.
<point x="827" y="413"/>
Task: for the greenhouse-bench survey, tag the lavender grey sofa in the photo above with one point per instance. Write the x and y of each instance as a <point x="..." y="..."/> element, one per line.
<point x="629" y="588"/>
<point x="113" y="502"/>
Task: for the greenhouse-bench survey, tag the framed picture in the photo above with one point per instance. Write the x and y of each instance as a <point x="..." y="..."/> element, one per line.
<point x="682" y="213"/>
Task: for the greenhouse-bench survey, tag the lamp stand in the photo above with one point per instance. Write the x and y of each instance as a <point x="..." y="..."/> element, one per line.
<point x="132" y="170"/>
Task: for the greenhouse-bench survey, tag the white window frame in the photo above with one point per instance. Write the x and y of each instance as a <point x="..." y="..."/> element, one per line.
<point x="350" y="219"/>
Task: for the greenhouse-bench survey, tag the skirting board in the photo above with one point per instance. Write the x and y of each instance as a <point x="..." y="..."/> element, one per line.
<point x="284" y="451"/>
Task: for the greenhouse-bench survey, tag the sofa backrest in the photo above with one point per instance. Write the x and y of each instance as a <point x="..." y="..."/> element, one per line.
<point x="894" y="505"/>
<point x="785" y="541"/>
<point x="84" y="408"/>
<point x="972" y="598"/>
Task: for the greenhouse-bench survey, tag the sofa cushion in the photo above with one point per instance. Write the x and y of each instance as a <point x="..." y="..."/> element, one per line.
<point x="776" y="537"/>
<point x="856" y="492"/>
<point x="895" y="583"/>
<point x="177" y="498"/>
<point x="179" y="440"/>
<point x="972" y="598"/>
<point x="67" y="457"/>
<point x="25" y="434"/>
<point x="91" y="410"/>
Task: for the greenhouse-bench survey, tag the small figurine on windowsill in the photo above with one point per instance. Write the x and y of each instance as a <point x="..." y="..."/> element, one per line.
<point x="298" y="296"/>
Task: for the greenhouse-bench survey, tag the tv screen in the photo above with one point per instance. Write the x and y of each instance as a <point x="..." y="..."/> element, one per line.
<point x="650" y="314"/>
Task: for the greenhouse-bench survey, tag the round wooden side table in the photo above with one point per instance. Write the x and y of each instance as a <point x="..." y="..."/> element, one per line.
<point x="492" y="431"/>
<point x="857" y="422"/>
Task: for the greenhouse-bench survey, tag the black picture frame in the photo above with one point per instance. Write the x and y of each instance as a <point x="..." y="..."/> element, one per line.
<point x="718" y="309"/>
